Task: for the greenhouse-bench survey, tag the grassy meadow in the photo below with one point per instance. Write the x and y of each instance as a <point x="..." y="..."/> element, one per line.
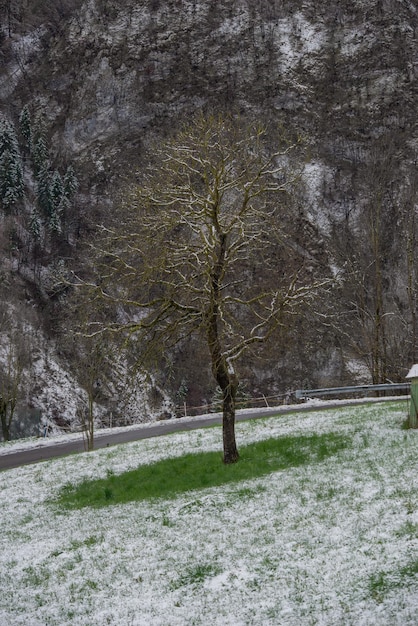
<point x="317" y="524"/>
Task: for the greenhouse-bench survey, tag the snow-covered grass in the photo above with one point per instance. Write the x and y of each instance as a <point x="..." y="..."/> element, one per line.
<point x="329" y="543"/>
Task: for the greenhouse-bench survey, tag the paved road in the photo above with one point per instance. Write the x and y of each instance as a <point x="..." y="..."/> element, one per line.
<point x="109" y="438"/>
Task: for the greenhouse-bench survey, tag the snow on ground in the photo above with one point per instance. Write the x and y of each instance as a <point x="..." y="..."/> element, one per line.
<point x="327" y="543"/>
<point x="300" y="41"/>
<point x="314" y="174"/>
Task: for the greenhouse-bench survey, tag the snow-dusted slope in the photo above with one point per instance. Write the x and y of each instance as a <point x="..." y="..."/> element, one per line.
<point x="112" y="76"/>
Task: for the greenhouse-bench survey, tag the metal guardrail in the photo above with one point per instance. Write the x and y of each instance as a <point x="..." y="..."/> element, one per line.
<point x="302" y="394"/>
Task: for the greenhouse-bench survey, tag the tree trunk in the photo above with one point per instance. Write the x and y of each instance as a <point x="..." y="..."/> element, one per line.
<point x="222" y="370"/>
<point x="228" y="423"/>
<point x="379" y="358"/>
<point x="228" y="382"/>
<point x="5" y="430"/>
<point x="412" y="285"/>
<point x="90" y="424"/>
<point x="5" y="422"/>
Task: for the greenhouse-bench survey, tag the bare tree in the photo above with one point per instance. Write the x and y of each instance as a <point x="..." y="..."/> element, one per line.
<point x="91" y="367"/>
<point x="11" y="373"/>
<point x="376" y="251"/>
<point x="204" y="247"/>
<point x="92" y="358"/>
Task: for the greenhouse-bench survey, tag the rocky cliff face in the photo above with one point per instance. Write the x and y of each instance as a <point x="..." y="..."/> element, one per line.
<point x="110" y="73"/>
<point x="110" y="76"/>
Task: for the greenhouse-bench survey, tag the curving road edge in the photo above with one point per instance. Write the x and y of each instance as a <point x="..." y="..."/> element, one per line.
<point x="48" y="449"/>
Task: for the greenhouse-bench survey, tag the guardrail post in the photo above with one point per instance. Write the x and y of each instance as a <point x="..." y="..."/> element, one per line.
<point x="413" y="405"/>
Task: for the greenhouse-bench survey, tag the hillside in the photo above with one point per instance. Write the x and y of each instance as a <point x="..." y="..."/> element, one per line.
<point x="109" y="78"/>
<point x="329" y="541"/>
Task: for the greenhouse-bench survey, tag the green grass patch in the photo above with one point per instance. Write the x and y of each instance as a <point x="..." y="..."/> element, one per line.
<point x="174" y="476"/>
<point x="409" y="529"/>
<point x="195" y="575"/>
<point x="381" y="583"/>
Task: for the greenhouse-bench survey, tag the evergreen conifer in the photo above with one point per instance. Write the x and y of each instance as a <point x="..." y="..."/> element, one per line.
<point x="44" y="193"/>
<point x="25" y="127"/>
<point x="57" y="190"/>
<point x="40" y="155"/>
<point x="11" y="172"/>
<point x="70" y="183"/>
<point x="35" y="225"/>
